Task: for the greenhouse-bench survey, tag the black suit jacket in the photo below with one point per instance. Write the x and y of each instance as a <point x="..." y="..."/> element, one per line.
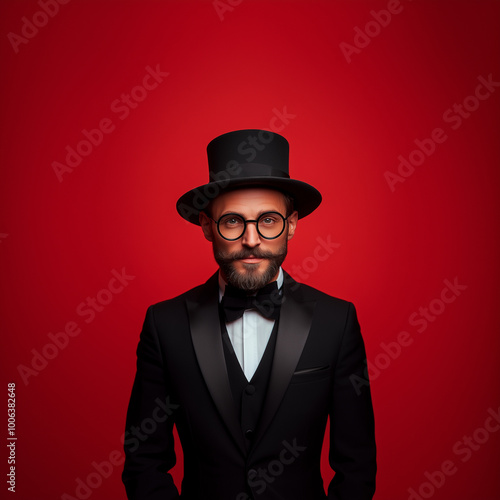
<point x="181" y="378"/>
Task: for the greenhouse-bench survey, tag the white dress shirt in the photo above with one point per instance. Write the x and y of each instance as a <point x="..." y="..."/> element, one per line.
<point x="249" y="334"/>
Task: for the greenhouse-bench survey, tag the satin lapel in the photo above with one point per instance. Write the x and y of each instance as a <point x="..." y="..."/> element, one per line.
<point x="207" y="340"/>
<point x="293" y="330"/>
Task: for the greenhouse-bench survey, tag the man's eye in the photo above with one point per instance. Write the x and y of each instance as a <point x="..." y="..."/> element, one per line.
<point x="232" y="221"/>
<point x="268" y="221"/>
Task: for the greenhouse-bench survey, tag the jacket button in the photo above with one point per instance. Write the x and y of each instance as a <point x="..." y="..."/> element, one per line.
<point x="250" y="389"/>
<point x="249" y="434"/>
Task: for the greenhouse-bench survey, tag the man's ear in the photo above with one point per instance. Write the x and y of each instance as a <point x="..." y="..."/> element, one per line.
<point x="292" y="224"/>
<point x="206" y="226"/>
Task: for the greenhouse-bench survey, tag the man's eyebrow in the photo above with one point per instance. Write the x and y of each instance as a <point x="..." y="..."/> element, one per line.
<point x="257" y="216"/>
<point x="229" y="212"/>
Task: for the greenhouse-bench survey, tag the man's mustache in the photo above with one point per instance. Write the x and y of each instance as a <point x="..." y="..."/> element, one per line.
<point x="246" y="254"/>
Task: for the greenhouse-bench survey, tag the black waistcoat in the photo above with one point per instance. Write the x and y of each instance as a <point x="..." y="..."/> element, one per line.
<point x="249" y="396"/>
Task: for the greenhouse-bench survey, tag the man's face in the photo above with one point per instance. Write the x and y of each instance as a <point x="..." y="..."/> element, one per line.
<point x="251" y="261"/>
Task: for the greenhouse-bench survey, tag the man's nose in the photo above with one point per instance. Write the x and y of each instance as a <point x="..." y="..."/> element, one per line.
<point x="251" y="237"/>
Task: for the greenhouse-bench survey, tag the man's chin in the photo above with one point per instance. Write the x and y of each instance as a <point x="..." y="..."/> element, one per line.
<point x="251" y="277"/>
<point x="252" y="267"/>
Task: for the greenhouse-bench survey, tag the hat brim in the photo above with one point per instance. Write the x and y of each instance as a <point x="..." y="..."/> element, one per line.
<point x="306" y="197"/>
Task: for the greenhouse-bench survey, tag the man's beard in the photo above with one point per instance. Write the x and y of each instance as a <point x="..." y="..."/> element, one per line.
<point x="251" y="280"/>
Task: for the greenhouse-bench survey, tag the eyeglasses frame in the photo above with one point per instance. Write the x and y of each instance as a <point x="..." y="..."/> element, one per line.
<point x="246" y="221"/>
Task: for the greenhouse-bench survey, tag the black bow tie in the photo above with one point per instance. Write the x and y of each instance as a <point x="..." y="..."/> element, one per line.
<point x="267" y="302"/>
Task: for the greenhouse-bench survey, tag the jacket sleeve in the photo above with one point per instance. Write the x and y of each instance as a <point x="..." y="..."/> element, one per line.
<point x="352" y="431"/>
<point x="149" y="441"/>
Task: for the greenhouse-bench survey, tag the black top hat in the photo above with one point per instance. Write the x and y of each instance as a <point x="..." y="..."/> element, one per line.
<point x="248" y="158"/>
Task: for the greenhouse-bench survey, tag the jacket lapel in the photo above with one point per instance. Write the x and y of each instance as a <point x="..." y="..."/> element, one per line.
<point x="293" y="330"/>
<point x="207" y="340"/>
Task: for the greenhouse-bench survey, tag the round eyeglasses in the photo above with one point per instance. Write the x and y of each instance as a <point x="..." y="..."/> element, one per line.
<point x="270" y="225"/>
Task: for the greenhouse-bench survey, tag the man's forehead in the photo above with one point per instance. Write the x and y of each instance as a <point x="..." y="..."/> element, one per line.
<point x="249" y="198"/>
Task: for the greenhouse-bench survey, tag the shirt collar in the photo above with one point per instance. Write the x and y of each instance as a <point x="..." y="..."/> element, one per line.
<point x="222" y="283"/>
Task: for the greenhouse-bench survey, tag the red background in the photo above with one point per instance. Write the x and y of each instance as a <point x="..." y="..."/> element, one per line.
<point x="60" y="240"/>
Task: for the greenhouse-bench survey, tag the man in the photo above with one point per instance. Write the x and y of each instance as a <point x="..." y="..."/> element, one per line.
<point x="250" y="364"/>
